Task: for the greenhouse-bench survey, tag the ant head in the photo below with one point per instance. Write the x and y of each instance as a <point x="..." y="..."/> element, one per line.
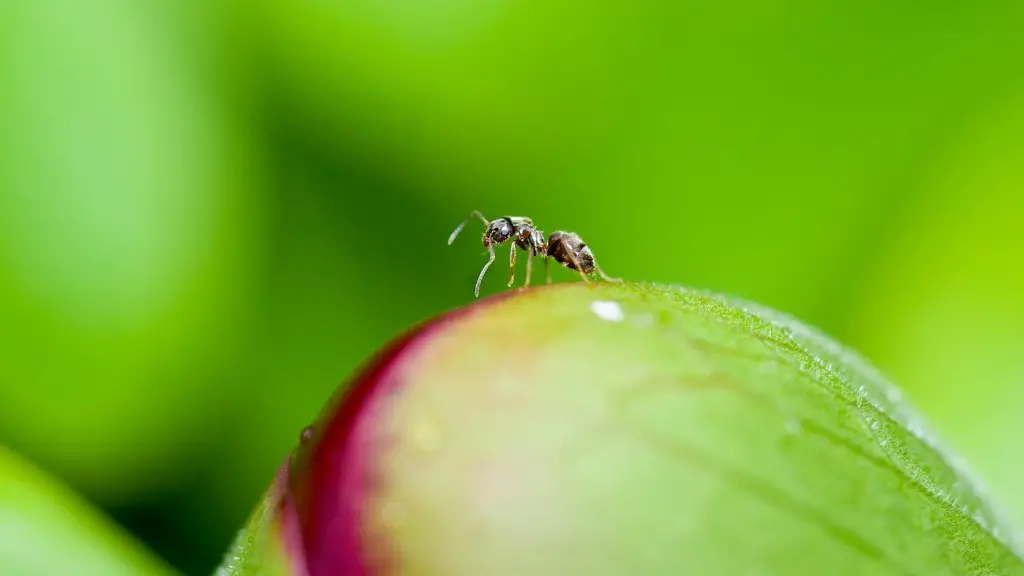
<point x="498" y="231"/>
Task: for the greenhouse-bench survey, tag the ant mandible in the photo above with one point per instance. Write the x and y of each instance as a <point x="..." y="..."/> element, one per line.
<point x="566" y="248"/>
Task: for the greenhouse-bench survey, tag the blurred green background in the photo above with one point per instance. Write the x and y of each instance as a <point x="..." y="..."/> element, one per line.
<point x="211" y="212"/>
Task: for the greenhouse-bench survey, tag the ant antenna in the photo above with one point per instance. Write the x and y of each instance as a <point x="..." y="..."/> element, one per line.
<point x="473" y="214"/>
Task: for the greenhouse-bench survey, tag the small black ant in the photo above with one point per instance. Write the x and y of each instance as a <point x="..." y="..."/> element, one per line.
<point x="566" y="248"/>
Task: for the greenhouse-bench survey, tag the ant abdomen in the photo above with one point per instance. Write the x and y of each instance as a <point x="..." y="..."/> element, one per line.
<point x="569" y="250"/>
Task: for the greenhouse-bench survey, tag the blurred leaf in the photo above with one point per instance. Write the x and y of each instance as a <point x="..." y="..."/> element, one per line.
<point x="780" y="133"/>
<point x="609" y="429"/>
<point x="45" y="529"/>
<point x="125" y="262"/>
<point x="950" y="295"/>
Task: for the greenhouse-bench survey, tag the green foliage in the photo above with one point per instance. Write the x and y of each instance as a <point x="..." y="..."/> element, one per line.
<point x="110" y="203"/>
<point x="47" y="530"/>
<point x="210" y="213"/>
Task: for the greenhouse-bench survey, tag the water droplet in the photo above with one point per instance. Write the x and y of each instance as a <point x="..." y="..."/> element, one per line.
<point x="307" y="434"/>
<point x="607" y="310"/>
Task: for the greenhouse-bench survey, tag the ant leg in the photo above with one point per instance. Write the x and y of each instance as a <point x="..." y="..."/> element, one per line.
<point x="547" y="268"/>
<point x="512" y="266"/>
<point x="606" y="277"/>
<point x="473" y="214"/>
<point x="480" y="278"/>
<point x="529" y="268"/>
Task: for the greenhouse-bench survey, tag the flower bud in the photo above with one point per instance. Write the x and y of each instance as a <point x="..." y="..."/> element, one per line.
<point x="626" y="429"/>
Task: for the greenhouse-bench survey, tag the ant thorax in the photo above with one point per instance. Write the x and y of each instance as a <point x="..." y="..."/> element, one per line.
<point x="530" y="239"/>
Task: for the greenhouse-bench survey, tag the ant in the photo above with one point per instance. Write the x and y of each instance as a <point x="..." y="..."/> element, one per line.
<point x="566" y="248"/>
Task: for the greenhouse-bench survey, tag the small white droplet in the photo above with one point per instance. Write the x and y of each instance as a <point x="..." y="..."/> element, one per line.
<point x="607" y="310"/>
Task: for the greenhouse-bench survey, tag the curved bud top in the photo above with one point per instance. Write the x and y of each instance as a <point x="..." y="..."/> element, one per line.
<point x="628" y="429"/>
